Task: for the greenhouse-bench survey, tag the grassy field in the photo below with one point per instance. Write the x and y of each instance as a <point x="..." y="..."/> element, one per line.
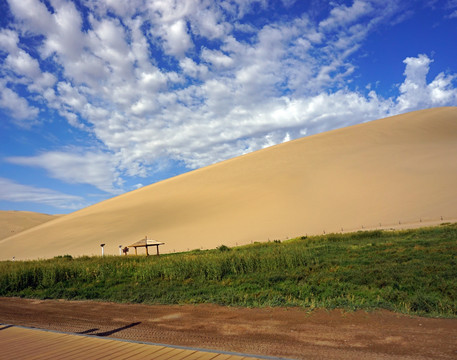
<point x="413" y="271"/>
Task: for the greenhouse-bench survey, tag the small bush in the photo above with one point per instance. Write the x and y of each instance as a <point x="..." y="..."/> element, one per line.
<point x="223" y="248"/>
<point x="66" y="257"/>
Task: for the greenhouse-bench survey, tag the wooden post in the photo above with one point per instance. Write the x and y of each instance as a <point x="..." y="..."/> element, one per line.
<point x="147" y="252"/>
<point x="158" y="250"/>
<point x="135" y="251"/>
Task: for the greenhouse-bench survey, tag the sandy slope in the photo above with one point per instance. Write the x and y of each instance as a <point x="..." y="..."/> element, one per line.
<point x="13" y="222"/>
<point x="401" y="168"/>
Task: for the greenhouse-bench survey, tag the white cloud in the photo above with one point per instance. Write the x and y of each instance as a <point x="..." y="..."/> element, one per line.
<point x="71" y="97"/>
<point x="198" y="104"/>
<point x="417" y="93"/>
<point x="343" y="15"/>
<point x="177" y="38"/>
<point x="243" y="7"/>
<point x="96" y="169"/>
<point x="8" y="40"/>
<point x="42" y="83"/>
<point x="12" y="191"/>
<point x="441" y="90"/>
<point x="32" y="14"/>
<point x="192" y="69"/>
<point x="23" y="64"/>
<point x="120" y="8"/>
<point x="217" y="58"/>
<point x="108" y="43"/>
<point x="61" y="29"/>
<point x="17" y="106"/>
<point x="64" y="36"/>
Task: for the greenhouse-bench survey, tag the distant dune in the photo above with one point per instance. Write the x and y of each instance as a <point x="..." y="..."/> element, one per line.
<point x="13" y="222"/>
<point x="397" y="169"/>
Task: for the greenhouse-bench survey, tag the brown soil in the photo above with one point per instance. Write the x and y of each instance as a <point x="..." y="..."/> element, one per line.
<point x="284" y="332"/>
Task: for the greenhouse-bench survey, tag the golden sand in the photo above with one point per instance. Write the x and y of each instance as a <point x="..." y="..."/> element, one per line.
<point x="397" y="169"/>
<point x="13" y="222"/>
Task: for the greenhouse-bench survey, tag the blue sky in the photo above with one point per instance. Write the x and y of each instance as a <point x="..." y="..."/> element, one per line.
<point x="98" y="98"/>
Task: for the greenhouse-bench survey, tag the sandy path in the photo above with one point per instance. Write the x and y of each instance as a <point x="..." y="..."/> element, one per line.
<point x="285" y="332"/>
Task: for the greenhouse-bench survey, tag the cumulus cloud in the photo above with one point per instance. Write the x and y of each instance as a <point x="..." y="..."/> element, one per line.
<point x="23" y="64"/>
<point x="17" y="106"/>
<point x="33" y="15"/>
<point x="12" y="191"/>
<point x="417" y="93"/>
<point x="8" y="40"/>
<point x="177" y="38"/>
<point x="191" y="81"/>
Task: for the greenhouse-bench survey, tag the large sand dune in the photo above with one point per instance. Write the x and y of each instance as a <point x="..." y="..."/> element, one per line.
<point x="13" y="222"/>
<point x="402" y="168"/>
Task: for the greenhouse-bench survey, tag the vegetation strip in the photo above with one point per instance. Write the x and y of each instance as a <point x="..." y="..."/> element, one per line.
<point x="411" y="271"/>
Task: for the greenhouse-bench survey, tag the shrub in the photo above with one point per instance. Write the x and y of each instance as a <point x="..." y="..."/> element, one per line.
<point x="223" y="248"/>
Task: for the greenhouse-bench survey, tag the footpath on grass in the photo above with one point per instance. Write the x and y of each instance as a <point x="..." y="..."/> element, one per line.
<point x="281" y="332"/>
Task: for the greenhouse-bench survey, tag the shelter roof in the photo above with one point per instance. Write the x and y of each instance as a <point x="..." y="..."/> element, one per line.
<point x="146" y="242"/>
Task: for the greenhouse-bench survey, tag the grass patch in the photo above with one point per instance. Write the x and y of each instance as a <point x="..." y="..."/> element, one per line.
<point x="412" y="271"/>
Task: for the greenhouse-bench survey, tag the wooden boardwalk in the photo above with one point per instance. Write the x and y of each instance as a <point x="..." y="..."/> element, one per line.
<point x="33" y="344"/>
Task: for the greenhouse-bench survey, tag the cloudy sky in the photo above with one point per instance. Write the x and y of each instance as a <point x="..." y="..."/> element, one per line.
<point x="99" y="97"/>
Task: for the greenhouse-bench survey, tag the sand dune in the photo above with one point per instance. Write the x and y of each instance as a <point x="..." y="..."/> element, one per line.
<point x="402" y="168"/>
<point x="13" y="222"/>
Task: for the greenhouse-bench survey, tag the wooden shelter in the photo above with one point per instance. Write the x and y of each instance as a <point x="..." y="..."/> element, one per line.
<point x="146" y="243"/>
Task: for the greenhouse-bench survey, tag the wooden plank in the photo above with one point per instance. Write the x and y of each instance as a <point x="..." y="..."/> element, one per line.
<point x="99" y="349"/>
<point x="171" y="355"/>
<point x="223" y="357"/>
<point x="183" y="355"/>
<point x="78" y="344"/>
<point x="36" y="341"/>
<point x="31" y="344"/>
<point x="155" y="354"/>
<point x="123" y="352"/>
<point x="200" y="355"/>
<point x="74" y="353"/>
<point x="124" y="348"/>
<point x="153" y="350"/>
<point x="142" y="348"/>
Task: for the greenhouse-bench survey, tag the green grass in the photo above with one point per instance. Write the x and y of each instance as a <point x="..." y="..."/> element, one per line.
<point x="412" y="271"/>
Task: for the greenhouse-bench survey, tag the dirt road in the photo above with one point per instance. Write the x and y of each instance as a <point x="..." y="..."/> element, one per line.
<point x="284" y="332"/>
